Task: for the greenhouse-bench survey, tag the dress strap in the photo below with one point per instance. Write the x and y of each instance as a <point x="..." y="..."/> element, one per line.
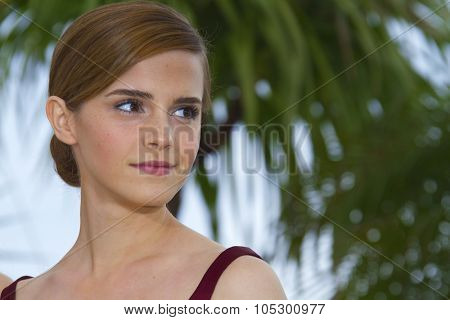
<point x="9" y="293"/>
<point x="206" y="286"/>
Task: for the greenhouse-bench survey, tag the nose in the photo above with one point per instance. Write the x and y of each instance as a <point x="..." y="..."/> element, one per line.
<point x="157" y="132"/>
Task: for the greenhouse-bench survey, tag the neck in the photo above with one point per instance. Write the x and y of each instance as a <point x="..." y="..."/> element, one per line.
<point x="113" y="235"/>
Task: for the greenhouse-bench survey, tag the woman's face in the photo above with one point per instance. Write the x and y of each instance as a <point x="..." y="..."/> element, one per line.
<point x="152" y="112"/>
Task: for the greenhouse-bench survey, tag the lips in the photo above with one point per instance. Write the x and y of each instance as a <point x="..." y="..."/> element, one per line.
<point x="154" y="167"/>
<point x="153" y="164"/>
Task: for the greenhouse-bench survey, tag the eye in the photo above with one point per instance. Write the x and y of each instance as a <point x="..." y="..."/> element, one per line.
<point x="190" y="112"/>
<point x="128" y="106"/>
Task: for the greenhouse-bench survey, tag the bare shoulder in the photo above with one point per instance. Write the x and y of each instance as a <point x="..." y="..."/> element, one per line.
<point x="194" y="240"/>
<point x="4" y="281"/>
<point x="249" y="278"/>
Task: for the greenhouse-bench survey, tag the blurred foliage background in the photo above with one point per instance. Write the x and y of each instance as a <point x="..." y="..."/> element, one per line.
<point x="379" y="129"/>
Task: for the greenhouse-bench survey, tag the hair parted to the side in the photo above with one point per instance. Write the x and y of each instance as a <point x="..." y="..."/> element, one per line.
<point x="105" y="42"/>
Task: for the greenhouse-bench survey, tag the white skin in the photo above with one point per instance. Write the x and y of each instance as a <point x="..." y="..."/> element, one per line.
<point x="129" y="243"/>
<point x="106" y="141"/>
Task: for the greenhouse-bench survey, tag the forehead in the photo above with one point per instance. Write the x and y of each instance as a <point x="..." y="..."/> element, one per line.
<point x="165" y="75"/>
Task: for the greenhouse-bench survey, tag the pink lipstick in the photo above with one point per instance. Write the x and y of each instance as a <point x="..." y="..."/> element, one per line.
<point x="158" y="168"/>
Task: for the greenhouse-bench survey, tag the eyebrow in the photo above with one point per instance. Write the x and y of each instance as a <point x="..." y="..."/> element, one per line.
<point x="148" y="95"/>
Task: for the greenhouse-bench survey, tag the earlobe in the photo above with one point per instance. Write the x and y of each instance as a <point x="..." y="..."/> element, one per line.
<point x="60" y="118"/>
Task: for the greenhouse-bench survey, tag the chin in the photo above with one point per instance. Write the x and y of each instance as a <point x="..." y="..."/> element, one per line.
<point x="142" y="201"/>
<point x="152" y="195"/>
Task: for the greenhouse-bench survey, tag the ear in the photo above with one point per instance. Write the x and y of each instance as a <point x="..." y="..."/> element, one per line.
<point x="61" y="119"/>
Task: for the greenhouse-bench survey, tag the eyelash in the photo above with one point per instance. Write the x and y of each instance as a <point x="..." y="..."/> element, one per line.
<point x="137" y="103"/>
<point x="194" y="110"/>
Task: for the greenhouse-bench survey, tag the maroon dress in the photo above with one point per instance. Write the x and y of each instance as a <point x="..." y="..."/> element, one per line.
<point x="204" y="289"/>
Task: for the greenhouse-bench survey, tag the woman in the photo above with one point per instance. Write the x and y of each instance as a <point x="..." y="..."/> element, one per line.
<point x="129" y="87"/>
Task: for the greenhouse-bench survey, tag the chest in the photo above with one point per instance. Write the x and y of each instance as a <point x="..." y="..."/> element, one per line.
<point x="174" y="283"/>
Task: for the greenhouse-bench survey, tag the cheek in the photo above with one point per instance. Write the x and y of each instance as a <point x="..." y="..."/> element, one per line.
<point x="105" y="146"/>
<point x="187" y="144"/>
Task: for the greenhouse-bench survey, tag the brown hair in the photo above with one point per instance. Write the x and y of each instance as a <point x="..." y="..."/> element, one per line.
<point x="105" y="42"/>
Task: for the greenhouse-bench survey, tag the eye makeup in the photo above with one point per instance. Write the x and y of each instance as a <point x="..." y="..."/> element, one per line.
<point x="193" y="111"/>
<point x="136" y="105"/>
<point x="132" y="102"/>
